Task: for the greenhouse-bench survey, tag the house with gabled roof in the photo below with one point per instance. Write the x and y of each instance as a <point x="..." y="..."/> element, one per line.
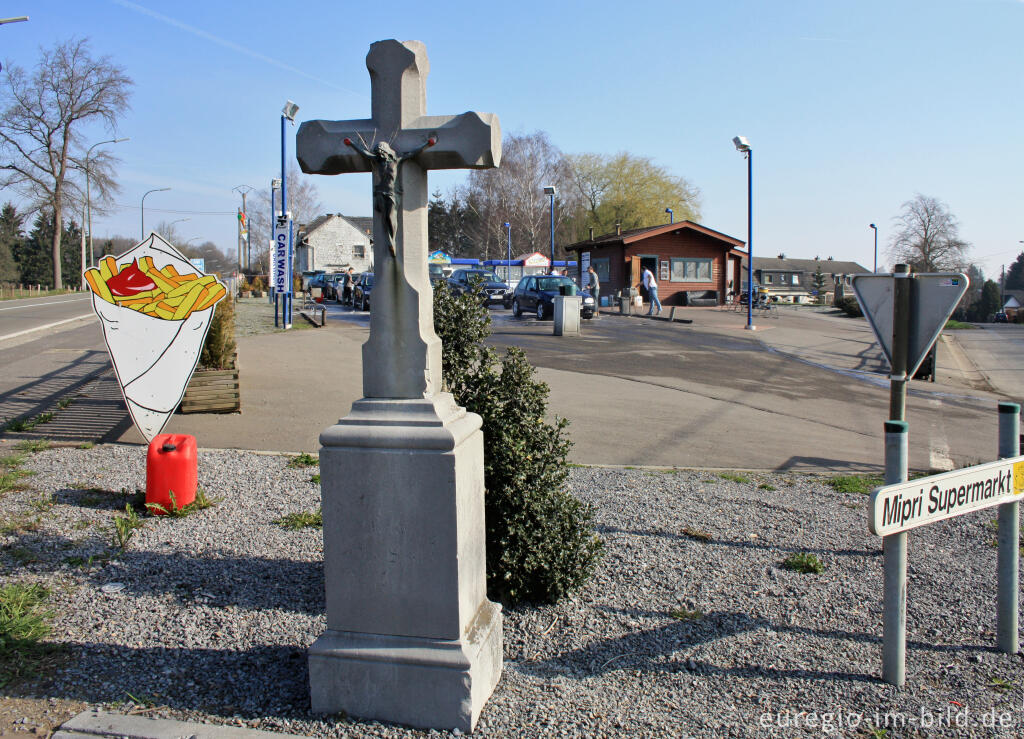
<point x="333" y="243"/>
<point x="793" y="280"/>
<point x="693" y="264"/>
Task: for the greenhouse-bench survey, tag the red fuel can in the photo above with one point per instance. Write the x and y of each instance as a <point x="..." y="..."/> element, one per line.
<point x="171" y="467"/>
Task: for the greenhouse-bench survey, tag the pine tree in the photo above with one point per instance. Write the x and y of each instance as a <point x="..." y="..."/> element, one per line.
<point x="1015" y="274"/>
<point x="11" y="236"/>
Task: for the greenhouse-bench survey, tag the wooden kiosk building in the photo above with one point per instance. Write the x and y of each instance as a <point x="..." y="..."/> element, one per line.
<point x="693" y="264"/>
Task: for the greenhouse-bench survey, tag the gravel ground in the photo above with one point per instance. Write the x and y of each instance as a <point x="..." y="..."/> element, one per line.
<point x="218" y="607"/>
<point x="256" y="316"/>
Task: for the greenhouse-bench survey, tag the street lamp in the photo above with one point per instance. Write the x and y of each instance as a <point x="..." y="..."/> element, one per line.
<point x="88" y="198"/>
<point x="143" y="208"/>
<point x="671" y="216"/>
<point x="550" y="190"/>
<point x="508" y="260"/>
<point x="287" y="114"/>
<point x="743" y="146"/>
<point x="874" y="228"/>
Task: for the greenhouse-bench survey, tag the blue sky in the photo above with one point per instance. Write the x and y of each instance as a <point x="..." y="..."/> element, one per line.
<point x="852" y="106"/>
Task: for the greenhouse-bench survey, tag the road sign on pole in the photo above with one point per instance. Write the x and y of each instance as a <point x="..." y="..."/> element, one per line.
<point x="933" y="296"/>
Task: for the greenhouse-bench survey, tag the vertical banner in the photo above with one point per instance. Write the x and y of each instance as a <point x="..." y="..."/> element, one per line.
<point x="584" y="269"/>
<point x="281" y="262"/>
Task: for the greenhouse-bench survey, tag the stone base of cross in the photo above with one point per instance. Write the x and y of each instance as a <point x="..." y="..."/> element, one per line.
<point x="411" y="637"/>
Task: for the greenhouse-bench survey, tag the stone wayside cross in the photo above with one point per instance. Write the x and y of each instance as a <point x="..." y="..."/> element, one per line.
<point x="402" y="358"/>
<point x="411" y="637"/>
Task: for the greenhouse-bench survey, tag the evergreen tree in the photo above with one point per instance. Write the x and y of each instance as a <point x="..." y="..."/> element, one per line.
<point x="1015" y="274"/>
<point x="33" y="253"/>
<point x="11" y="236"/>
<point x="989" y="303"/>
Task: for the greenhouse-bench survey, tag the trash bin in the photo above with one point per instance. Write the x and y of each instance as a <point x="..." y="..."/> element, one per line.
<point x="567" y="314"/>
<point x="171" y="467"/>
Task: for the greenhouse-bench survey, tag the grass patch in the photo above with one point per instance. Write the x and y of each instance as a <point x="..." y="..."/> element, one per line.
<point x="691" y="533"/>
<point x="201" y="503"/>
<point x="732" y="477"/>
<point x="315" y="478"/>
<point x="681" y="614"/>
<point x="766" y="486"/>
<point x="86" y="445"/>
<point x="999" y="684"/>
<point x="304" y="520"/>
<point x="24" y="622"/>
<point x="65" y="402"/>
<point x="862" y="484"/>
<point x="18" y="425"/>
<point x="304" y="460"/>
<point x="958" y="325"/>
<point x="31" y="446"/>
<point x="805" y="563"/>
<point x="124" y="527"/>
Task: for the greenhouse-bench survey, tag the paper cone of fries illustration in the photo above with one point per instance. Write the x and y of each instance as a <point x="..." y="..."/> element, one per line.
<point x="155" y="308"/>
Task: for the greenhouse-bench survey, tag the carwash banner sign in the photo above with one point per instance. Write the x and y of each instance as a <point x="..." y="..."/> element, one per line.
<point x="282" y="264"/>
<point x="907" y="505"/>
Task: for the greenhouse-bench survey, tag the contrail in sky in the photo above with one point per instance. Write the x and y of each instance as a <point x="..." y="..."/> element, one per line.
<point x="227" y="44"/>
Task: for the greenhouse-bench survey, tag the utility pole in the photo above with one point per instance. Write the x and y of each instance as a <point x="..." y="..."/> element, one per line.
<point x="243" y="228"/>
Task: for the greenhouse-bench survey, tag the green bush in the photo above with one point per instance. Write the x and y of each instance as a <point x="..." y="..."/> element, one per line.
<point x="540" y="539"/>
<point x="219" y="347"/>
<point x="850" y="307"/>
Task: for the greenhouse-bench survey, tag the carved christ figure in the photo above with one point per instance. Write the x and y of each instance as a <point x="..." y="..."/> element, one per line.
<point x="386" y="166"/>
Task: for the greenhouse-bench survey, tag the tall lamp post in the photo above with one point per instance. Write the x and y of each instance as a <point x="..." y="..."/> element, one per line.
<point x="143" y="208"/>
<point x="671" y="216"/>
<point x="508" y="260"/>
<point x="874" y="228"/>
<point x="88" y="198"/>
<point x="287" y="114"/>
<point x="743" y="146"/>
<point x="550" y="191"/>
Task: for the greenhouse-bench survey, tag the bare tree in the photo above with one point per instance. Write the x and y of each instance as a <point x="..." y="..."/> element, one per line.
<point x="514" y="193"/>
<point x="41" y="142"/>
<point x="303" y="202"/>
<point x="927" y="236"/>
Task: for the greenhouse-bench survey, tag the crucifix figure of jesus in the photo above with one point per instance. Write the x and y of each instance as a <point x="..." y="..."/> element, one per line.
<point x="402" y="357"/>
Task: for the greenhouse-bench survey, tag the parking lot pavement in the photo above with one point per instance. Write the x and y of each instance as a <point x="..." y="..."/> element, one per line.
<point x="797" y="394"/>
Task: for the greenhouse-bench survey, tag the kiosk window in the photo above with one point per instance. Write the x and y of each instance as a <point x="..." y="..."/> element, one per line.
<point x="691" y="270"/>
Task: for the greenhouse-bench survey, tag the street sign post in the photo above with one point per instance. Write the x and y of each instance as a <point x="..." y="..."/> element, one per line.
<point x="907" y="313"/>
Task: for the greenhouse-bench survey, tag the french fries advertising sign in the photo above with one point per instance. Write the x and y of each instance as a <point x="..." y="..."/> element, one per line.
<point x="155" y="308"/>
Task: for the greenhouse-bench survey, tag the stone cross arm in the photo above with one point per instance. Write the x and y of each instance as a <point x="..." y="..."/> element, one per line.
<point x="467" y="141"/>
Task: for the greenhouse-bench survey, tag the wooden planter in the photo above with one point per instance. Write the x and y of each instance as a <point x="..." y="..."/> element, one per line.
<point x="213" y="391"/>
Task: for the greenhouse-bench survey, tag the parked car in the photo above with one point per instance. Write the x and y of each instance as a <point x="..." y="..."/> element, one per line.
<point x="437" y="275"/>
<point x="318" y="282"/>
<point x="361" y="291"/>
<point x="536" y="294"/>
<point x="466" y="280"/>
<point x="1000" y="318"/>
<point x="332" y="286"/>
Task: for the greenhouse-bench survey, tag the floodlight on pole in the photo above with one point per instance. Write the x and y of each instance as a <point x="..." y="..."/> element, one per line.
<point x="550" y="191"/>
<point x="13" y="20"/>
<point x="743" y="146"/>
<point x="874" y="228"/>
<point x="508" y="260"/>
<point x="88" y="198"/>
<point x="142" y="208"/>
<point x="671" y="216"/>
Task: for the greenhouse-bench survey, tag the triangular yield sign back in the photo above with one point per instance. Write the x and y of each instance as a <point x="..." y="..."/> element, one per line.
<point x="933" y="296"/>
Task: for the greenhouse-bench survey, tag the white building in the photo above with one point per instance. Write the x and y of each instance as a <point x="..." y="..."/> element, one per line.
<point x="333" y="243"/>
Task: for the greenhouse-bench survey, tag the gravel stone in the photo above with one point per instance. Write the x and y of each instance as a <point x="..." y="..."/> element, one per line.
<point x="219" y="607"/>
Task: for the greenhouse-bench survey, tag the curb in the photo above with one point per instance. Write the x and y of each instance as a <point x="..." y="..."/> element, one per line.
<point x="16" y="334"/>
<point x="96" y="724"/>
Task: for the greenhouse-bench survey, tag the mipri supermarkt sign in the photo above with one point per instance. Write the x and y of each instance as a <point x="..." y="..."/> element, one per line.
<point x="907" y="505"/>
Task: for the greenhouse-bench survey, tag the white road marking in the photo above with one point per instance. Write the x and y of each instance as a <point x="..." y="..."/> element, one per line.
<point x="49" y="325"/>
<point x="52" y="302"/>
<point x="938" y="448"/>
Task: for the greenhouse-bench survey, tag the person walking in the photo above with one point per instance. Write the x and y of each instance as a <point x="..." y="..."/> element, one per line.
<point x="652" y="292"/>
<point x="595" y="290"/>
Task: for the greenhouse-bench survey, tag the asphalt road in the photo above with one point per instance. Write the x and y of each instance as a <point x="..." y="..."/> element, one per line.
<point x="638" y="392"/>
<point x="17" y="317"/>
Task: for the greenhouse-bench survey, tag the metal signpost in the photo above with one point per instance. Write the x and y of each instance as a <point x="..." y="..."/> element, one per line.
<point x="907" y="313"/>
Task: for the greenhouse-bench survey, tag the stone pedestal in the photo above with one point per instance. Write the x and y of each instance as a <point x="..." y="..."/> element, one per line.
<point x="411" y="636"/>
